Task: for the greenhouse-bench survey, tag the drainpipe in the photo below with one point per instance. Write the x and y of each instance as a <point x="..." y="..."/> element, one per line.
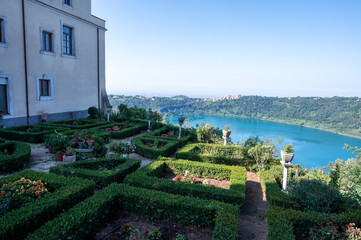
<point x="25" y="65"/>
<point x="98" y="68"/>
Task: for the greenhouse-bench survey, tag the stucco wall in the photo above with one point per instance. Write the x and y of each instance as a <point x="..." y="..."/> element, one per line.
<point x="75" y="80"/>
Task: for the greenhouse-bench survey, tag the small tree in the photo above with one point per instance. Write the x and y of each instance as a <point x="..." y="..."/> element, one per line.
<point x="206" y="133"/>
<point x="124" y="112"/>
<point x="93" y="112"/>
<point x="262" y="154"/>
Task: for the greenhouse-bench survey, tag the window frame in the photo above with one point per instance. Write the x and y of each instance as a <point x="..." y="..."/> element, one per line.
<point x="68" y="5"/>
<point x="73" y="42"/>
<point x="3" y="23"/>
<point x="42" y="47"/>
<point x="39" y="97"/>
<point x="6" y="80"/>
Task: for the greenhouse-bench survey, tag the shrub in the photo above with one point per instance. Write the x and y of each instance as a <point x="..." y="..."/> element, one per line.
<point x="2" y="140"/>
<point x="166" y="149"/>
<point x="206" y="133"/>
<point x="102" y="171"/>
<point x="164" y="132"/>
<point x="32" y="134"/>
<point x="150" y="177"/>
<point x="314" y="195"/>
<point x="213" y="153"/>
<point x="77" y="123"/>
<point x="123" y="130"/>
<point x="19" y="156"/>
<point x="64" y="193"/>
<point x="158" y="205"/>
<point x="93" y="112"/>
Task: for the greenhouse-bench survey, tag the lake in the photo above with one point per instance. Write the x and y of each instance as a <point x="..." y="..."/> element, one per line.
<point x="313" y="148"/>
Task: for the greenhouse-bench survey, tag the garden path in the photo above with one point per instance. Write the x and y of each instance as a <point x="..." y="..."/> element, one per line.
<point x="252" y="222"/>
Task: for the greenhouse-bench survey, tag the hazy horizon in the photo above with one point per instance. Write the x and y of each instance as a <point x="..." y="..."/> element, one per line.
<point x="279" y="48"/>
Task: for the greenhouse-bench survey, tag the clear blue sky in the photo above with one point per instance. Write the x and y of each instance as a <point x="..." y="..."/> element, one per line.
<point x="221" y="47"/>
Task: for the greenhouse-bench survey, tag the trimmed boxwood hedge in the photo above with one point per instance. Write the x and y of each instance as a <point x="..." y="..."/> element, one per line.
<point x="182" y="141"/>
<point x="21" y="134"/>
<point x="102" y="170"/>
<point x="141" y="148"/>
<point x="19" y="156"/>
<point x="188" y="153"/>
<point x="83" y="220"/>
<point x="285" y="222"/>
<point x="65" y="193"/>
<point x="2" y="140"/>
<point x="150" y="177"/>
<point x="131" y="130"/>
<point x="88" y="123"/>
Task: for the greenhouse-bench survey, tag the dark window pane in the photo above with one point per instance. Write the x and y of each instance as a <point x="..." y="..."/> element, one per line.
<point x="44" y="87"/>
<point x="67" y="40"/>
<point x="47" y="41"/>
<point x="3" y="99"/>
<point x="2" y="34"/>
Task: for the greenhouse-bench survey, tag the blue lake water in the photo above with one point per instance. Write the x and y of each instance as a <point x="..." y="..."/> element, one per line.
<point x="313" y="148"/>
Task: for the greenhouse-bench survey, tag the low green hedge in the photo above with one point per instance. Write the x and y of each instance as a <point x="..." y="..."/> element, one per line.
<point x="65" y="193"/>
<point x="19" y="156"/>
<point x="102" y="134"/>
<point x="284" y="220"/>
<point x="151" y="177"/>
<point x="84" y="123"/>
<point x="102" y="170"/>
<point x="188" y="152"/>
<point x="21" y="134"/>
<point x="2" y="140"/>
<point x="186" y="135"/>
<point x="131" y="130"/>
<point x="83" y="220"/>
<point x="141" y="148"/>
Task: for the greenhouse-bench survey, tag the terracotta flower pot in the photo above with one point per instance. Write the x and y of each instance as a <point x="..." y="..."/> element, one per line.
<point x="59" y="157"/>
<point x="90" y="143"/>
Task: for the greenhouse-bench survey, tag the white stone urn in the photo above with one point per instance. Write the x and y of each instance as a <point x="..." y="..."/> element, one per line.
<point x="226" y="133"/>
<point x="287" y="157"/>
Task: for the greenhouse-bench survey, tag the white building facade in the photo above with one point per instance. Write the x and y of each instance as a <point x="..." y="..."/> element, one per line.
<point x="52" y="60"/>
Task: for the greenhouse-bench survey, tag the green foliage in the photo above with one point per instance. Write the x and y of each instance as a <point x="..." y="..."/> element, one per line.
<point x="339" y="114"/>
<point x="155" y="119"/>
<point x="26" y="133"/>
<point x="288" y="148"/>
<point x="314" y="195"/>
<point x="141" y="147"/>
<point x="82" y="221"/>
<point x="206" y="133"/>
<point x="262" y="154"/>
<point x="326" y="231"/>
<point x="57" y="142"/>
<point x="138" y="113"/>
<point x="154" y="234"/>
<point x="151" y="177"/>
<point x="64" y="193"/>
<point x="103" y="171"/>
<point x="93" y="112"/>
<point x="76" y="123"/>
<point x="2" y="140"/>
<point x="19" y="156"/>
<point x="124" y="129"/>
<point x="187" y="135"/>
<point x="123" y="112"/>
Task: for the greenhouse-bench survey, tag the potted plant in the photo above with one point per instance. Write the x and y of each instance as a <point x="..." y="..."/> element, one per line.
<point x="69" y="155"/>
<point x="226" y="132"/>
<point x="59" y="155"/>
<point x="90" y="142"/>
<point x="56" y="142"/>
<point x="288" y="153"/>
<point x="44" y="116"/>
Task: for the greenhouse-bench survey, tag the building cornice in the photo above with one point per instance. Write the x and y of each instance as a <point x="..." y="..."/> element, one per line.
<point x="64" y="13"/>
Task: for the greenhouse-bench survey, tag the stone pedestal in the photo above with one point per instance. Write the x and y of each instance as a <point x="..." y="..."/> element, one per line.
<point x="285" y="165"/>
<point x="225" y="139"/>
<point x="148" y="126"/>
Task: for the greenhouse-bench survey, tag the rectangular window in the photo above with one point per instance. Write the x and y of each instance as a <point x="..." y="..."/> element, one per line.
<point x="3" y="100"/>
<point x="44" y="88"/>
<point x="3" y="31"/>
<point x="67" y="40"/>
<point x="47" y="41"/>
<point x="68" y="2"/>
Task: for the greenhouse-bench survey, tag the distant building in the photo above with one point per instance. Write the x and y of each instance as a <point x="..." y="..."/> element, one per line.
<point x="52" y="59"/>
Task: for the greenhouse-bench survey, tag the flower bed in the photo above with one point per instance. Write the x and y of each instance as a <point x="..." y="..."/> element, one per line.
<point x="93" y="212"/>
<point x="103" y="171"/>
<point x="32" y="134"/>
<point x="213" y="153"/>
<point x="14" y="155"/>
<point x="153" y="148"/>
<point x="151" y="177"/>
<point x="172" y="133"/>
<point x="121" y="130"/>
<point x="77" y="123"/>
<point x="286" y="222"/>
<point x="64" y="193"/>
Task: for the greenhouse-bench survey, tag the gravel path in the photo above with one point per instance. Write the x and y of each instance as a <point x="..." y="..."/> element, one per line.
<point x="252" y="221"/>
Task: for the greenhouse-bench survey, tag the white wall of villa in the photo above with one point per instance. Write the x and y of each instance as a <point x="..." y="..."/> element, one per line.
<point x="65" y="59"/>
